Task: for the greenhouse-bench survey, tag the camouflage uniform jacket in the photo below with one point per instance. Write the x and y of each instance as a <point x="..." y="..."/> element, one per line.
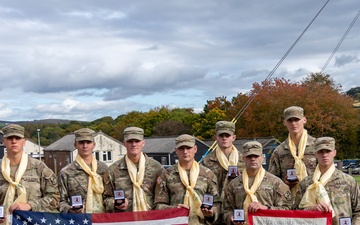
<point x="210" y="161"/>
<point x="344" y="194"/>
<point x="281" y="159"/>
<point x="272" y="192"/>
<point x="73" y="180"/>
<point x="170" y="191"/>
<point x="41" y="186"/>
<point x="117" y="177"/>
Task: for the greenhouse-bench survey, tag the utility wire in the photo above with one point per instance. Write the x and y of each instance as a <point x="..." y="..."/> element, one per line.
<point x="341" y="41"/>
<point x="255" y="93"/>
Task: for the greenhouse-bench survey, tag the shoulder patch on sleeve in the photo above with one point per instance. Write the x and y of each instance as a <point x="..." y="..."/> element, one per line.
<point x="158" y="180"/>
<point x="282" y="189"/>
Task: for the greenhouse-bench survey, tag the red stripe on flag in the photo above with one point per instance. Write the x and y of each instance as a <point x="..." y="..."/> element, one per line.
<point x="139" y="216"/>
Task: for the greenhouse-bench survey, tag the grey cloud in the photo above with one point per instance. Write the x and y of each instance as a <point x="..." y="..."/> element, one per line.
<point x="159" y="79"/>
<point x="151" y="48"/>
<point x="345" y="59"/>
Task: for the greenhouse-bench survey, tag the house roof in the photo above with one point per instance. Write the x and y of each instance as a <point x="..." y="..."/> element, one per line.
<point x="163" y="144"/>
<point x="159" y="145"/>
<point x="66" y="143"/>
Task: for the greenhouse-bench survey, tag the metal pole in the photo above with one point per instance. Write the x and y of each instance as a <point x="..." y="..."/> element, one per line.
<point x="38" y="132"/>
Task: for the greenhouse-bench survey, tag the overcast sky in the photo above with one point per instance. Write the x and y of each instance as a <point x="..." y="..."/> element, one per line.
<point x="86" y="59"/>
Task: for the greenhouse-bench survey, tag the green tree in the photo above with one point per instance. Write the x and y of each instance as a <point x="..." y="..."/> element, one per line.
<point x="320" y="79"/>
<point x="171" y="128"/>
<point x="355" y="93"/>
<point x="204" y="127"/>
<point x="180" y="122"/>
<point x="219" y="102"/>
<point x="131" y="119"/>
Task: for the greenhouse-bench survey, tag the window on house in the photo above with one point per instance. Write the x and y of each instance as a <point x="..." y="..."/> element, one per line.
<point x="107" y="156"/>
<point x="97" y="155"/>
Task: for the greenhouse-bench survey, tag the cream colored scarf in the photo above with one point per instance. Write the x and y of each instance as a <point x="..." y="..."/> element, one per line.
<point x="224" y="161"/>
<point x="250" y="192"/>
<point x="191" y="198"/>
<point x="316" y="192"/>
<point x="137" y="178"/>
<point x="299" y="165"/>
<point x="14" y="185"/>
<point x="94" y="201"/>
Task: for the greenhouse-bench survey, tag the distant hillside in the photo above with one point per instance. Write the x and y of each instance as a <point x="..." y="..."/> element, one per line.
<point x="46" y="121"/>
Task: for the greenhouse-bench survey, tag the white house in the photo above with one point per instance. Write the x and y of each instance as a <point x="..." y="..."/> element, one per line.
<point x="62" y="152"/>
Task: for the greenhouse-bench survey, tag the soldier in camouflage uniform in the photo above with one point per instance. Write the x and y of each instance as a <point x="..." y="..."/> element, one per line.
<point x="74" y="180"/>
<point x="225" y="136"/>
<point x="282" y="159"/>
<point x="171" y="190"/>
<point x="342" y="189"/>
<point x="118" y="175"/>
<point x="271" y="192"/>
<point x="40" y="191"/>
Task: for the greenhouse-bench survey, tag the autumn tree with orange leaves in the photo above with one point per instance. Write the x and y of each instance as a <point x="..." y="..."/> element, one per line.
<point x="328" y="111"/>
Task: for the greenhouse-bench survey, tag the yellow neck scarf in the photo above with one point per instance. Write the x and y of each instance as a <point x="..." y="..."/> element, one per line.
<point x="250" y="192"/>
<point x="224" y="161"/>
<point x="316" y="193"/>
<point x="137" y="178"/>
<point x="299" y="165"/>
<point x="94" y="201"/>
<point x="191" y="198"/>
<point x="14" y="185"/>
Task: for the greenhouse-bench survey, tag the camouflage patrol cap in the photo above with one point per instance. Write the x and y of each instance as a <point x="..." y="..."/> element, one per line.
<point x="226" y="127"/>
<point x="13" y="130"/>
<point x="184" y="140"/>
<point x="324" y="143"/>
<point x="252" y="148"/>
<point x="133" y="133"/>
<point x="84" y="134"/>
<point x="294" y="112"/>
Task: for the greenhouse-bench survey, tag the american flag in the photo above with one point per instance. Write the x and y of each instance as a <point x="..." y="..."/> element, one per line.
<point x="177" y="216"/>
<point x="39" y="218"/>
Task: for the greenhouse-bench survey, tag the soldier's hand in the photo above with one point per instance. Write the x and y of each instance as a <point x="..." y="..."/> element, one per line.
<point x="255" y="206"/>
<point x="207" y="212"/>
<point x="320" y="207"/>
<point x="19" y="206"/>
<point x="72" y="210"/>
<point x="182" y="206"/>
<point x="237" y="223"/>
<point x="290" y="184"/>
<point x="123" y="206"/>
<point x="3" y="220"/>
